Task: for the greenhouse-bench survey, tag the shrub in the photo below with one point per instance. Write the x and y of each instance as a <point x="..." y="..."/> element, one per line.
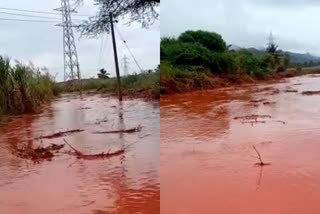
<point x="180" y="53"/>
<point x="212" y="41"/>
<point x="222" y="63"/>
<point x="281" y="68"/>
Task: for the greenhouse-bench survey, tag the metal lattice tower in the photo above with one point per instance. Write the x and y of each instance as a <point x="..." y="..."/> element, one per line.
<point x="71" y="63"/>
<point x="125" y="65"/>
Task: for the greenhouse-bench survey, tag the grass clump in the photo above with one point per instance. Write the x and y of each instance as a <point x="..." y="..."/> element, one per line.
<point x="23" y="88"/>
<point x="147" y="84"/>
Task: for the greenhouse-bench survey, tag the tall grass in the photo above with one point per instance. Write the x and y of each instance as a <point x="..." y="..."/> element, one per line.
<point x="147" y="83"/>
<point x="23" y="88"/>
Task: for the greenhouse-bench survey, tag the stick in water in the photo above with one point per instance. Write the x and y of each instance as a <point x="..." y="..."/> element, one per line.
<point x="261" y="162"/>
<point x="76" y="151"/>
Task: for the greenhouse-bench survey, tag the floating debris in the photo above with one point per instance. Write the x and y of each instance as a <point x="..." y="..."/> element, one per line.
<point x="253" y="121"/>
<point x="266" y="142"/>
<point x="40" y="153"/>
<point x="98" y="122"/>
<point x="279" y="121"/>
<point x="85" y="108"/>
<point x="132" y="130"/>
<point x="252" y="117"/>
<point x="258" y="101"/>
<point x="102" y="155"/>
<point x="291" y="91"/>
<point x="252" y="104"/>
<point x="269" y="103"/>
<point x="308" y="93"/>
<point x="59" y="134"/>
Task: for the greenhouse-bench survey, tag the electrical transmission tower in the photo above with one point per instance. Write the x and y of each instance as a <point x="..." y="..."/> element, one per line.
<point x="125" y="65"/>
<point x="71" y="63"/>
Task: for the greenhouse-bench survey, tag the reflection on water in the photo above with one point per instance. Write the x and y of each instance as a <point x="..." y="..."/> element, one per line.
<point x="215" y="158"/>
<point x="128" y="183"/>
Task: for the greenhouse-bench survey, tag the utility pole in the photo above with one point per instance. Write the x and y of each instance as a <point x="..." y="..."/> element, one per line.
<point x="125" y="65"/>
<point x="116" y="58"/>
<point x="70" y="55"/>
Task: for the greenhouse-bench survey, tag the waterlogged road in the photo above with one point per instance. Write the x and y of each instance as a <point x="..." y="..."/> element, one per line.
<point x="127" y="183"/>
<point x="207" y="158"/>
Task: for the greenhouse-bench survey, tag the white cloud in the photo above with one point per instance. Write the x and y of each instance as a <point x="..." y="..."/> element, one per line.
<point x="248" y="22"/>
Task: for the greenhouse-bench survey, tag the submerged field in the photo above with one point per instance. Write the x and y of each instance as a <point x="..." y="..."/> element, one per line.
<point x="127" y="182"/>
<point x="208" y="136"/>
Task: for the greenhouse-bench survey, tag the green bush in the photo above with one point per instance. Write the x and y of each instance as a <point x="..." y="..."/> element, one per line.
<point x="281" y="68"/>
<point x="222" y="63"/>
<point x="235" y="63"/>
<point x="213" y="41"/>
<point x="180" y="53"/>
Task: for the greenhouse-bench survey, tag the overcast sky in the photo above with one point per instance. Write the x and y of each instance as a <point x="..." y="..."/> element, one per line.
<point x="41" y="43"/>
<point x="247" y="23"/>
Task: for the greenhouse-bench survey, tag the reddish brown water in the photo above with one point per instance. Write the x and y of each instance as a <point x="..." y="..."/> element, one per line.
<point x="207" y="159"/>
<point x="125" y="184"/>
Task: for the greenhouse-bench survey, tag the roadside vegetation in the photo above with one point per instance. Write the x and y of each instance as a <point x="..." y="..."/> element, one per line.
<point x="143" y="85"/>
<point x="203" y="60"/>
<point x="23" y="88"/>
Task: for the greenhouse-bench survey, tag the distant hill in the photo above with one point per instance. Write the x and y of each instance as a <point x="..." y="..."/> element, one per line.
<point x="295" y="58"/>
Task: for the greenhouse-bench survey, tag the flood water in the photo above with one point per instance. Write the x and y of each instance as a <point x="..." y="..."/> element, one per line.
<point x="207" y="158"/>
<point x="128" y="183"/>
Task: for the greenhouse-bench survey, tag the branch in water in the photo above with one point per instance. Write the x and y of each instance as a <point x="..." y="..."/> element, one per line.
<point x="259" y="156"/>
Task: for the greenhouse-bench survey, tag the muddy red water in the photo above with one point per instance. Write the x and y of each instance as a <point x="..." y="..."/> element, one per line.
<point x="207" y="158"/>
<point x="128" y="183"/>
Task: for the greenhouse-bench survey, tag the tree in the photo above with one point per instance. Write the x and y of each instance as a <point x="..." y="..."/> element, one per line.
<point x="272" y="48"/>
<point x="286" y="61"/>
<point x="103" y="74"/>
<point x="142" y="11"/>
<point x="157" y="69"/>
<point x="211" y="40"/>
<point x="274" y="53"/>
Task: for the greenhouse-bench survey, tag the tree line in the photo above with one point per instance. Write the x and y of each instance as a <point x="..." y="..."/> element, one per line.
<point x="207" y="51"/>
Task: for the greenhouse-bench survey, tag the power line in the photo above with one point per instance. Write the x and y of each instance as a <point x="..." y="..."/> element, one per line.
<point x="34" y="16"/>
<point x="27" y="20"/>
<point x="100" y="53"/>
<point x="107" y="49"/>
<point x="38" y="11"/>
<point x="104" y="46"/>
<point x="125" y="42"/>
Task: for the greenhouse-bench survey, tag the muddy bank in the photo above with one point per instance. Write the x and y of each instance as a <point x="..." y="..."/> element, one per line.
<point x="100" y="177"/>
<point x="206" y="81"/>
<point x="209" y="136"/>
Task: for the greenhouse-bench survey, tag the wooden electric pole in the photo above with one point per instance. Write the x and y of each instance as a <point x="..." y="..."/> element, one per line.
<point x="116" y="58"/>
